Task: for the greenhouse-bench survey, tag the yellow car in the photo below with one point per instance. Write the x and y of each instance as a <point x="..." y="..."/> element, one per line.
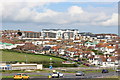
<point x="21" y="76"/>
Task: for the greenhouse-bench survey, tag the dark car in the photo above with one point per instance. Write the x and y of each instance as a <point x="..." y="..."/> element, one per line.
<point x="86" y="64"/>
<point x="105" y="71"/>
<point x="80" y="73"/>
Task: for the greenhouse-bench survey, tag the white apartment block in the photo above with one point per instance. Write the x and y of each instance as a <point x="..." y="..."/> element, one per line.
<point x="59" y="33"/>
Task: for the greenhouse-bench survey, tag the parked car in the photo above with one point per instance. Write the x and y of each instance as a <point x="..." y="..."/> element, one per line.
<point x="80" y="73"/>
<point x="105" y="71"/>
<point x="118" y="70"/>
<point x="61" y="74"/>
<point x="86" y="64"/>
<point x="21" y="76"/>
<point x="57" y="75"/>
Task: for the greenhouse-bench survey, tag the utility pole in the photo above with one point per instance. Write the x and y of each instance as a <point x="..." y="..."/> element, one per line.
<point x="26" y="58"/>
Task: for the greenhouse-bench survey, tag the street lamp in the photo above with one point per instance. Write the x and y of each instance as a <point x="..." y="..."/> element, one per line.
<point x="26" y="58"/>
<point x="50" y="63"/>
<point x="50" y="66"/>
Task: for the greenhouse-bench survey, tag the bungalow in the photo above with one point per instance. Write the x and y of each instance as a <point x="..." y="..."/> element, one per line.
<point x="110" y="49"/>
<point x="7" y="45"/>
<point x="110" y="62"/>
<point x="71" y="51"/>
<point x="55" y="50"/>
<point x="93" y="44"/>
<point x="101" y="46"/>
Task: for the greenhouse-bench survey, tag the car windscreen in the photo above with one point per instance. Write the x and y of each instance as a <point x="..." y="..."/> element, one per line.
<point x="18" y="74"/>
<point x="79" y="72"/>
<point x="54" y="72"/>
<point x="24" y="74"/>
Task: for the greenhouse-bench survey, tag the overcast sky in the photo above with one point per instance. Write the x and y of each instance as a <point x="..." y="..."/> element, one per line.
<point x="95" y="17"/>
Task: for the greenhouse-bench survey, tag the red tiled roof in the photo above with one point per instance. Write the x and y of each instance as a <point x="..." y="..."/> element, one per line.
<point x="55" y="47"/>
<point x="103" y="58"/>
<point x="31" y="32"/>
<point x="110" y="47"/>
<point x="106" y="34"/>
<point x="113" y="58"/>
<point x="7" y="41"/>
<point x="79" y="50"/>
<point x="91" y="57"/>
<point x="102" y="44"/>
<point x="72" y="49"/>
<point x="76" y="54"/>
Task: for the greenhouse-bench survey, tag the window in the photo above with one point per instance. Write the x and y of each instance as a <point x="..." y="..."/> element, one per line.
<point x="18" y="74"/>
<point x="24" y="74"/>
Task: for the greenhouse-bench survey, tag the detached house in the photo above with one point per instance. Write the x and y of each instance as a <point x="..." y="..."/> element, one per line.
<point x="71" y="51"/>
<point x="103" y="61"/>
<point x="110" y="62"/>
<point x="106" y="36"/>
<point x="110" y="49"/>
<point x="7" y="44"/>
<point x="55" y="50"/>
<point x="95" y="60"/>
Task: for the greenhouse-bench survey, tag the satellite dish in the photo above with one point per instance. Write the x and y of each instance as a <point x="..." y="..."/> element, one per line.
<point x="19" y="33"/>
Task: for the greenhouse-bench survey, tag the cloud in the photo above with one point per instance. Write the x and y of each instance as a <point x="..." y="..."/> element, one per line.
<point x="15" y="11"/>
<point x="33" y="1"/>
<point x="37" y="13"/>
<point x="60" y="0"/>
<point x="113" y="21"/>
<point x="75" y="10"/>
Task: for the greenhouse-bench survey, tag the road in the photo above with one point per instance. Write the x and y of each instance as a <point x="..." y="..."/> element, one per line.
<point x="52" y="79"/>
<point x="71" y="76"/>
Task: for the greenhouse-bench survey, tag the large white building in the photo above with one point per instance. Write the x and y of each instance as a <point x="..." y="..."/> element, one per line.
<point x="18" y="66"/>
<point x="59" y="33"/>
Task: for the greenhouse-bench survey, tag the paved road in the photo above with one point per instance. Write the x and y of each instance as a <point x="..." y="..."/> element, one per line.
<point x="68" y="75"/>
<point x="51" y="79"/>
<point x="71" y="76"/>
<point x="68" y="79"/>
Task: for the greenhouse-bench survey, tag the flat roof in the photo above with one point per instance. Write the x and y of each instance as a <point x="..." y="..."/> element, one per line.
<point x="23" y="64"/>
<point x="59" y="29"/>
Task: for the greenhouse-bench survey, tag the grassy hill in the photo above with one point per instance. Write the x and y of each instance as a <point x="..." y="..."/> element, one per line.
<point x="15" y="56"/>
<point x="9" y="56"/>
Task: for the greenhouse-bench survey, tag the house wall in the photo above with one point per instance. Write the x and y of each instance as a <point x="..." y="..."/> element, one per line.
<point x="26" y="66"/>
<point x="108" y="64"/>
<point x="7" y="47"/>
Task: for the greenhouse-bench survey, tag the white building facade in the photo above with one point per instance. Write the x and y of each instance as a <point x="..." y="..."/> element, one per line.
<point x="59" y="33"/>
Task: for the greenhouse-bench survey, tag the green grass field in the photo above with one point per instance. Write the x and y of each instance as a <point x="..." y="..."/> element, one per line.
<point x="15" y="56"/>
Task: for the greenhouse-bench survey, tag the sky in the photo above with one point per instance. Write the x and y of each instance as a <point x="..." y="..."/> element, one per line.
<point x="95" y="17"/>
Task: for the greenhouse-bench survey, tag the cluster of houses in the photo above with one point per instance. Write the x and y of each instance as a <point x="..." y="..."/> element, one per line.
<point x="94" y="49"/>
